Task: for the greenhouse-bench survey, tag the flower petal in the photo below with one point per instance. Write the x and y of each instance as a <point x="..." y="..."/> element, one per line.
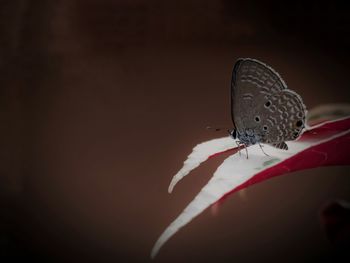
<point x="325" y="144"/>
<point x="201" y="153"/>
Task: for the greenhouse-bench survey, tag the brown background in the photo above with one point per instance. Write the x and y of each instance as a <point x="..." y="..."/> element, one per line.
<point x="101" y="101"/>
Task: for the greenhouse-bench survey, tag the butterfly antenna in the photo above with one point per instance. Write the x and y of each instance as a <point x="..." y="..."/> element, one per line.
<point x="214" y="129"/>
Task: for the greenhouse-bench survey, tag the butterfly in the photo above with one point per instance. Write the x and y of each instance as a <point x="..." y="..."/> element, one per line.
<point x="263" y="109"/>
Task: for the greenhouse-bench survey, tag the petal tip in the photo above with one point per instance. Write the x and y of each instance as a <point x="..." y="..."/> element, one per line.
<point x="155" y="250"/>
<point x="172" y="184"/>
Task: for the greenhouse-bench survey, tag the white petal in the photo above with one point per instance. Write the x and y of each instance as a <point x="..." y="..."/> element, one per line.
<point x="234" y="171"/>
<point x="201" y="153"/>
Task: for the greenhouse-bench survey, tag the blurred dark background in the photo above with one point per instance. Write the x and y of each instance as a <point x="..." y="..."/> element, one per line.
<point x="102" y="100"/>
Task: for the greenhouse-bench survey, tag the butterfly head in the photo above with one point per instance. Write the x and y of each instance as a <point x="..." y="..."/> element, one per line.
<point x="232" y="133"/>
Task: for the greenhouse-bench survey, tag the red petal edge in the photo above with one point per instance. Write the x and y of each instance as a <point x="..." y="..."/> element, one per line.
<point x="333" y="152"/>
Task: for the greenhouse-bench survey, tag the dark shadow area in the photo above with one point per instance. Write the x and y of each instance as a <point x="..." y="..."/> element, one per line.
<point x="101" y="101"/>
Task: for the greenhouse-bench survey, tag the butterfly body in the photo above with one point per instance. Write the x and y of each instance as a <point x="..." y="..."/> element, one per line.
<point x="263" y="109"/>
<point x="247" y="137"/>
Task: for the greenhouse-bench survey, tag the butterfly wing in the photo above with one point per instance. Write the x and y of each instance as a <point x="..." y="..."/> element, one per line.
<point x="252" y="81"/>
<point x="260" y="101"/>
<point x="283" y="117"/>
<point x="280" y="145"/>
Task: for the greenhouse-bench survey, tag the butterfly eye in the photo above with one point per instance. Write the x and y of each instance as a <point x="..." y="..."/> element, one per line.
<point x="265" y="128"/>
<point x="268" y="104"/>
<point x="299" y="123"/>
<point x="257" y="119"/>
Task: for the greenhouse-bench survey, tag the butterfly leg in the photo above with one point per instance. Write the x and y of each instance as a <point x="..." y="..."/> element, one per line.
<point x="263" y="150"/>
<point x="246" y="150"/>
<point x="239" y="147"/>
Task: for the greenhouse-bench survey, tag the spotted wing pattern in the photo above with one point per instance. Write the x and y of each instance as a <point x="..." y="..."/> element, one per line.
<point x="261" y="102"/>
<point x="282" y="117"/>
<point x="252" y="81"/>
